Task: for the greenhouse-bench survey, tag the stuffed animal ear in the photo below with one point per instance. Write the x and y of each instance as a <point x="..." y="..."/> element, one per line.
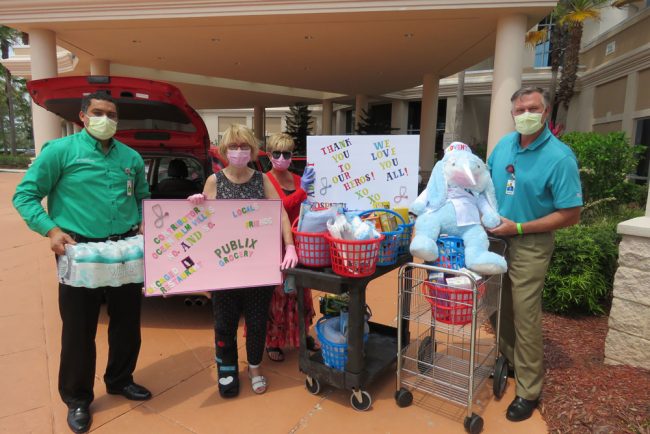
<point x="418" y="206"/>
<point x="437" y="187"/>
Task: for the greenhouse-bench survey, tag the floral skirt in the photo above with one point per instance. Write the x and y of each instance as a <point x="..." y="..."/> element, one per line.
<point x="283" y="329"/>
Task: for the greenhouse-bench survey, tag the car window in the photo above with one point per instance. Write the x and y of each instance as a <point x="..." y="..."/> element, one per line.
<point x="194" y="169"/>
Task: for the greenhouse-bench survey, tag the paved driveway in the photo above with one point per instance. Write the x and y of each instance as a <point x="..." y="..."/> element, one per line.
<point x="176" y="363"/>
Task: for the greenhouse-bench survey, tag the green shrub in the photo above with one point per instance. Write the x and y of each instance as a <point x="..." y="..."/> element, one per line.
<point x="581" y="274"/>
<point x="605" y="162"/>
<point x="15" y="161"/>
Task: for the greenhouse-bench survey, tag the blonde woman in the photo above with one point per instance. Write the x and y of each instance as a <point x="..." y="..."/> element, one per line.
<point x="238" y="181"/>
<point x="283" y="329"/>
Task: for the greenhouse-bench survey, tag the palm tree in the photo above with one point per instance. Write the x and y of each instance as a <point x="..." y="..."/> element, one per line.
<point x="572" y="14"/>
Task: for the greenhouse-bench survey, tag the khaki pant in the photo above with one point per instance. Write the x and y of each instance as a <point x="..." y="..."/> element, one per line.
<point x="521" y="341"/>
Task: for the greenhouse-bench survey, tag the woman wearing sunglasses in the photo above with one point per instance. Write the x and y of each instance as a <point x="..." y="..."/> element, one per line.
<point x="283" y="328"/>
<point x="238" y="181"/>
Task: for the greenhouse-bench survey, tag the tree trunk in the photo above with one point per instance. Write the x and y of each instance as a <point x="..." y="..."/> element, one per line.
<point x="460" y="104"/>
<point x="557" y="54"/>
<point x="10" y="99"/>
<point x="571" y="63"/>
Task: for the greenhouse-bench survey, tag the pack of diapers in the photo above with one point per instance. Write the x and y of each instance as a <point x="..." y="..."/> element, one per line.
<point x="109" y="263"/>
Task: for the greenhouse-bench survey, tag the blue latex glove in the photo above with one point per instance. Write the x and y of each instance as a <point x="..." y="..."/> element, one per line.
<point x="307" y="178"/>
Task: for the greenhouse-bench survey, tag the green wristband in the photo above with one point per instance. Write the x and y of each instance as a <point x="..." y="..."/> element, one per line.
<point x="520" y="230"/>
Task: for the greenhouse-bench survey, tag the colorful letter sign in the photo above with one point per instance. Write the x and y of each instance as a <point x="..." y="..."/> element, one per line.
<point x="363" y="171"/>
<point x="221" y="244"/>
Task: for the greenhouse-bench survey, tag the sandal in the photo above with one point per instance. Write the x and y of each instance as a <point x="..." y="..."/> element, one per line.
<point x="258" y="382"/>
<point x="275" y="354"/>
<point x="312" y="345"/>
<point x="228" y="381"/>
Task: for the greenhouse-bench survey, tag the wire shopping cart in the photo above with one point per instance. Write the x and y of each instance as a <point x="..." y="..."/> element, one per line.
<point x="451" y="349"/>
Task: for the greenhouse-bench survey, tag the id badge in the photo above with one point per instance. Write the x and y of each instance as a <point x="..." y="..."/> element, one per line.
<point x="129" y="187"/>
<point x="510" y="187"/>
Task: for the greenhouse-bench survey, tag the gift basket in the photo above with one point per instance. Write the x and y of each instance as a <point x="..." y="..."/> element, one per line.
<point x="386" y="221"/>
<point x="354" y="246"/>
<point x="451" y="298"/>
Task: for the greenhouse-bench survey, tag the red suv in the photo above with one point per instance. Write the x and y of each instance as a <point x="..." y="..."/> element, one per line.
<point x="154" y="119"/>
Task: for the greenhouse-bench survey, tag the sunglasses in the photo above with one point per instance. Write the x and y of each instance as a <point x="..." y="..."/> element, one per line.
<point x="285" y="154"/>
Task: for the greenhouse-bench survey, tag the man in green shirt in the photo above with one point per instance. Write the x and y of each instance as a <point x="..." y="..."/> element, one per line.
<point x="94" y="186"/>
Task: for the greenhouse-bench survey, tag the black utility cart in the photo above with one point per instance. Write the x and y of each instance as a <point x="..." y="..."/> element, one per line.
<point x="365" y="362"/>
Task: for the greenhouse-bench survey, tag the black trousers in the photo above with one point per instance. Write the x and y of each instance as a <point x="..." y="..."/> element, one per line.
<point x="227" y="306"/>
<point x="79" y="308"/>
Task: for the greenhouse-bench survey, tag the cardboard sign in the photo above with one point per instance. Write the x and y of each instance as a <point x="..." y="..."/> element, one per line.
<point x="363" y="171"/>
<point x="221" y="244"/>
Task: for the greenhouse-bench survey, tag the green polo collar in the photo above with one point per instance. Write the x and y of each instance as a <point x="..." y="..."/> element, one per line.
<point x="93" y="142"/>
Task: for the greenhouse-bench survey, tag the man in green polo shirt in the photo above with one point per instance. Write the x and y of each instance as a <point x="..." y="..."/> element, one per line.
<point x="94" y="186"/>
<point x="538" y="190"/>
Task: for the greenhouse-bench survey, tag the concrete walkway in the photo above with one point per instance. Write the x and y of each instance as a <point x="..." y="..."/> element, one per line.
<point x="176" y="363"/>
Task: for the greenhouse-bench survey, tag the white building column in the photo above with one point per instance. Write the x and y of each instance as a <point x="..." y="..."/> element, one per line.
<point x="259" y="116"/>
<point x="100" y="67"/>
<point x="428" y="121"/>
<point x="399" y="115"/>
<point x="508" y="66"/>
<point x="450" y="122"/>
<point x="339" y="122"/>
<point x="326" y="128"/>
<point x="360" y="104"/>
<point x="47" y="126"/>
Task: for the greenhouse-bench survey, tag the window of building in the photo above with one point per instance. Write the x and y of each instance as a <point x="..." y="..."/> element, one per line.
<point x="543" y="48"/>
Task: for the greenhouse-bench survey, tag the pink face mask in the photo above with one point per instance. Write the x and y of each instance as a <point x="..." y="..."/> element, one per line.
<point x="239" y="157"/>
<point x="280" y="163"/>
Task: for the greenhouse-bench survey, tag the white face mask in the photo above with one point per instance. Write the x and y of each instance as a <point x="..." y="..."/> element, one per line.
<point x="528" y="123"/>
<point x="101" y="127"/>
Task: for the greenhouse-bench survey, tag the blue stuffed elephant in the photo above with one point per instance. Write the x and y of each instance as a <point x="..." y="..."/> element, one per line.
<point x="458" y="198"/>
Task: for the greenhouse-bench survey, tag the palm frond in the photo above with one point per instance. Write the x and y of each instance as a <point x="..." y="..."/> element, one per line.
<point x="535" y="37"/>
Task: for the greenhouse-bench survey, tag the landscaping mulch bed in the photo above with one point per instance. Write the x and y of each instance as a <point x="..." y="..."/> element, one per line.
<point x="581" y="393"/>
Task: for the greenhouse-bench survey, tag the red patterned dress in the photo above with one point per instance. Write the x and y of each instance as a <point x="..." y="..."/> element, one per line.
<point x="283" y="329"/>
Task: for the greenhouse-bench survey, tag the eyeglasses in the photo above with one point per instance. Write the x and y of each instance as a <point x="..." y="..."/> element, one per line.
<point x="242" y="146"/>
<point x="285" y="154"/>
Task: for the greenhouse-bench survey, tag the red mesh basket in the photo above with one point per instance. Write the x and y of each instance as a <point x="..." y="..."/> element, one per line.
<point x="312" y="248"/>
<point x="449" y="304"/>
<point x="354" y="258"/>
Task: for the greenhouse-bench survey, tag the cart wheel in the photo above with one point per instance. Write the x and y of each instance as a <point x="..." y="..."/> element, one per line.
<point x="362" y="403"/>
<point x="312" y="385"/>
<point x="425" y="354"/>
<point x="403" y="397"/>
<point x="500" y="377"/>
<point x="474" y="424"/>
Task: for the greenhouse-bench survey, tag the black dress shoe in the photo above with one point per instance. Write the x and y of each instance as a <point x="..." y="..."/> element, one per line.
<point x="131" y="391"/>
<point x="521" y="409"/>
<point x="79" y="419"/>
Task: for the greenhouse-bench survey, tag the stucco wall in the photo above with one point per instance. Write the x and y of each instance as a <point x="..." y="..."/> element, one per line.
<point x="610" y="98"/>
<point x="628" y="39"/>
<point x="643" y="93"/>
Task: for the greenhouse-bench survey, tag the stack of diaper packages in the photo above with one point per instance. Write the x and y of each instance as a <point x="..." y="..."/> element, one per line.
<point x="96" y="265"/>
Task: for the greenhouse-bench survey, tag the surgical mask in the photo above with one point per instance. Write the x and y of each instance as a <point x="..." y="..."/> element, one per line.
<point x="528" y="123"/>
<point x="239" y="157"/>
<point x="101" y="127"/>
<point x="280" y="163"/>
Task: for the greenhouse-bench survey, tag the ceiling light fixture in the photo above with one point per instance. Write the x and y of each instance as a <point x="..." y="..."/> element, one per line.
<point x="136" y="41"/>
<point x="309" y="37"/>
<point x="215" y="40"/>
<point x="408" y="35"/>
